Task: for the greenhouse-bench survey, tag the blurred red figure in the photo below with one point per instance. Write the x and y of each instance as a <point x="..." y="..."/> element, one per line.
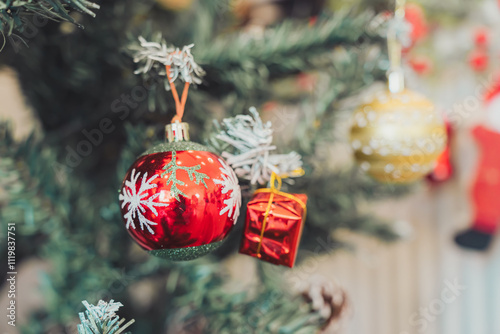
<point x="486" y="186"/>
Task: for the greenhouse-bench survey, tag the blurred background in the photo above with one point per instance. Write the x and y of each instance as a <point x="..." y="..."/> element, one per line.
<point x="375" y="257"/>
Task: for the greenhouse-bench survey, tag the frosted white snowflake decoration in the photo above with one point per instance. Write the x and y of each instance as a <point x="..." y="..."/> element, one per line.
<point x="102" y="318"/>
<point x="103" y="310"/>
<point x="249" y="141"/>
<point x="136" y="200"/>
<point x="149" y="54"/>
<point x="229" y="183"/>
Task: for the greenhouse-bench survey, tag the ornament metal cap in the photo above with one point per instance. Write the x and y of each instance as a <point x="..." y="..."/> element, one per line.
<point x="396" y="81"/>
<point x="177" y="131"/>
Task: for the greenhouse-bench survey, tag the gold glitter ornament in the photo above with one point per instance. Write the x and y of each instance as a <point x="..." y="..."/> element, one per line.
<point x="397" y="137"/>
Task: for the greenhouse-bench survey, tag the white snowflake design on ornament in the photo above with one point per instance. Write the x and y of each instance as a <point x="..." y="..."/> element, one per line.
<point x="229" y="182"/>
<point x="137" y="203"/>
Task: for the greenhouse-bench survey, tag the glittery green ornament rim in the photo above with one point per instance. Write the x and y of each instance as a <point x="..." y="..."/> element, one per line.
<point x="177" y="146"/>
<point x="186" y="253"/>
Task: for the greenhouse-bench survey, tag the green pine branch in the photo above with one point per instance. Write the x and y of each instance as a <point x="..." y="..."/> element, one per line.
<point x="246" y="63"/>
<point x="54" y="208"/>
<point x="14" y="13"/>
<point x="102" y="319"/>
<point x="201" y="300"/>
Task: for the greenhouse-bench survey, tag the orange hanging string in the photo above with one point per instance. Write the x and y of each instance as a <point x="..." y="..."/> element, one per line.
<point x="179" y="104"/>
<point x="184" y="98"/>
<point x="172" y="88"/>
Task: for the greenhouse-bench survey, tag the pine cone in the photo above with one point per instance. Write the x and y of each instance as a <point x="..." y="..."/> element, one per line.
<point x="329" y="300"/>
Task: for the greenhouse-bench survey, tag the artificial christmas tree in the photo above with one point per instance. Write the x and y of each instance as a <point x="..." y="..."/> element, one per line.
<point x="78" y="79"/>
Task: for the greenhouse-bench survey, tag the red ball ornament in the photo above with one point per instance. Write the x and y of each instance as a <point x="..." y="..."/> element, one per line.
<point x="179" y="201"/>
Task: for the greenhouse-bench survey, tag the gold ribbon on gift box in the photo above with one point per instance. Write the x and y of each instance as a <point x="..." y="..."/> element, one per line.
<point x="275" y="190"/>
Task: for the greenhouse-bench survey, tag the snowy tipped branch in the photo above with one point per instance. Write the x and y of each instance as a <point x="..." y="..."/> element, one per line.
<point x="12" y="13"/>
<point x="155" y="54"/>
<point x="102" y="319"/>
<point x="246" y="144"/>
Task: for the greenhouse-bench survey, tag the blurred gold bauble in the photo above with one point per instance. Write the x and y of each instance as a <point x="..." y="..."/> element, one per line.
<point x="397" y="137"/>
<point x="175" y="4"/>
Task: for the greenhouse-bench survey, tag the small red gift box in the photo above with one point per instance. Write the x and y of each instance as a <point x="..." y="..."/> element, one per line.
<point x="273" y="226"/>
